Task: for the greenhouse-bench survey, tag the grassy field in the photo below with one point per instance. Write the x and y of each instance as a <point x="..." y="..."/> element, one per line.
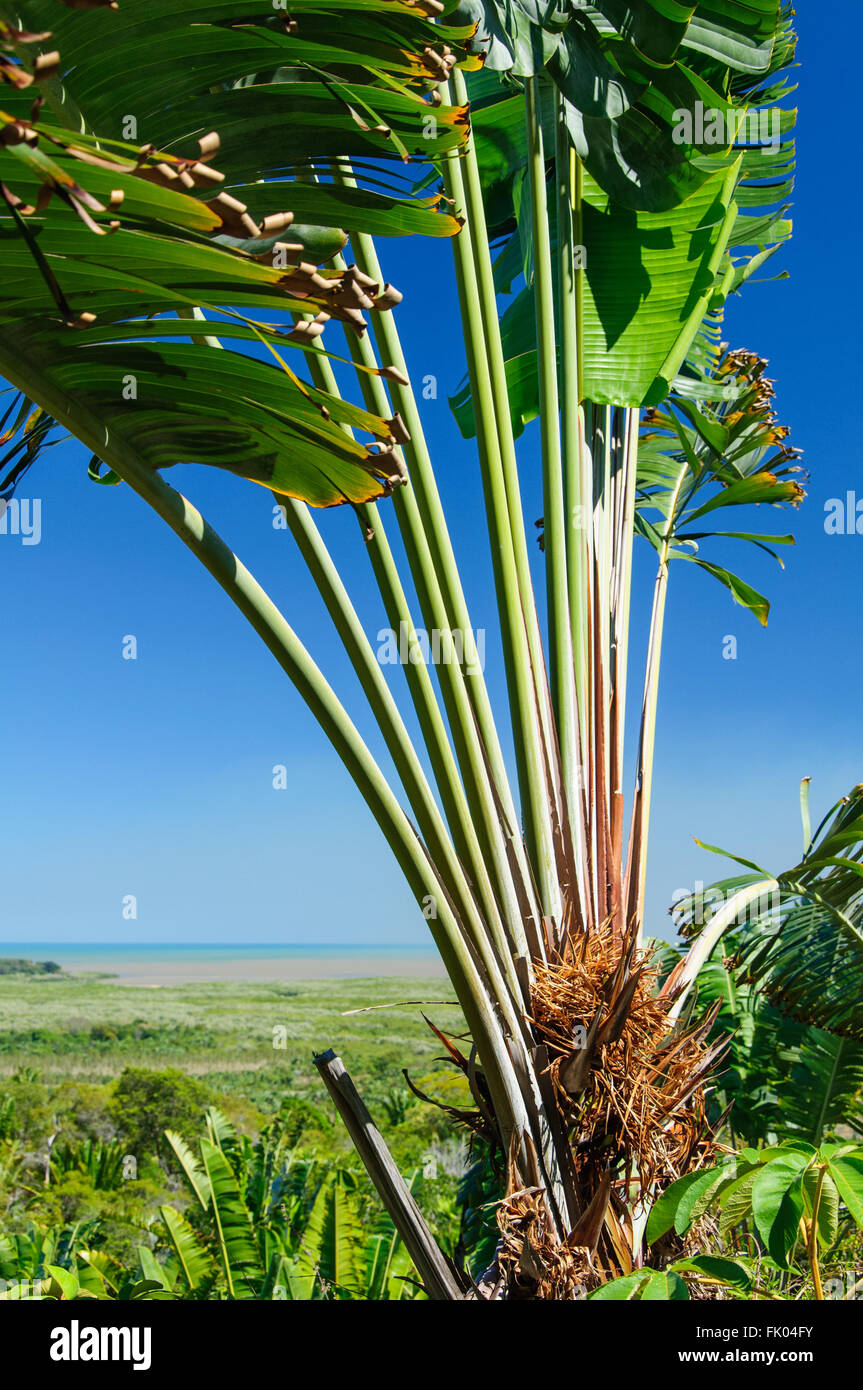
<point x="89" y="1061"/>
<point x="252" y="1039"/>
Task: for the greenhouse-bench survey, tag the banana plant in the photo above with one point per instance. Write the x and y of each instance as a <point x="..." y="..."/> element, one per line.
<point x="190" y="205"/>
<point x="57" y="1263"/>
<point x="264" y="1227"/>
<point x="26" y="1255"/>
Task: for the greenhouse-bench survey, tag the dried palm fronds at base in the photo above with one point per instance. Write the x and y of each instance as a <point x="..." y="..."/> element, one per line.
<point x="628" y="1084"/>
<point x="630" y="1092"/>
<point x="532" y="1262"/>
<point x="628" y="1089"/>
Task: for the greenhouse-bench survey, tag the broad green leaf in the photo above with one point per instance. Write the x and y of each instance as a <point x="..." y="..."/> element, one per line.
<point x="707" y="1182"/>
<point x="664" y="1209"/>
<point x="650" y="1286"/>
<point x="151" y="1290"/>
<point x="737" y="1201"/>
<point x="625" y="1289"/>
<point x="625" y="72"/>
<point x="805" y="950"/>
<point x="665" y="1287"/>
<point x="828" y="1204"/>
<point x="220" y="1129"/>
<point x="647" y="282"/>
<point x="777" y="1204"/>
<point x="152" y="1270"/>
<point x="333" y="1242"/>
<point x="323" y="88"/>
<point x="65" y="1281"/>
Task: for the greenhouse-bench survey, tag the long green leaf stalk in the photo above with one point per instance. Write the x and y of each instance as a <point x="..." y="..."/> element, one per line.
<point x="530" y="759"/>
<point x="497" y="961"/>
<point x="534" y="764"/>
<point x="637" y="860"/>
<point x="438" y="585"/>
<point x="494" y="954"/>
<point x="576" y="483"/>
<point x="464" y="185"/>
<point x="559" y="633"/>
<point x="507" y="906"/>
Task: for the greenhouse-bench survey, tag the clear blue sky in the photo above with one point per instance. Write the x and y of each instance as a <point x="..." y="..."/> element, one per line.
<point x="154" y="777"/>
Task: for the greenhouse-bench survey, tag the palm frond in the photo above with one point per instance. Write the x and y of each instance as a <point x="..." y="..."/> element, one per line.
<point x="803" y="945"/>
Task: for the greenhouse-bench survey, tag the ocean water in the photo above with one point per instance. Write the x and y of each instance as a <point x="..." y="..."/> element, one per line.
<point x="160" y="962"/>
<point x="61" y="951"/>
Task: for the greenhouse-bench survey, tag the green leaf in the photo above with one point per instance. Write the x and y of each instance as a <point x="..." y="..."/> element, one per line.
<point x="280" y="96"/>
<point x="709" y="1182"/>
<point x="238" y="1252"/>
<point x="737" y="1201"/>
<point x="621" y="98"/>
<point x="333" y="1242"/>
<point x="648" y="279"/>
<point x="716" y="1267"/>
<point x="664" y="1210"/>
<point x="196" y="1266"/>
<point x="805" y="949"/>
<point x="740" y="591"/>
<point x="154" y="1272"/>
<point x="828" y="1204"/>
<point x="191" y="1166"/>
<point x="777" y="1204"/>
<point x="665" y="1287"/>
<point x="65" y="1280"/>
<point x="220" y="1129"/>
<point x="847" y="1173"/>
<point x="626" y="1289"/>
<point x="651" y="1286"/>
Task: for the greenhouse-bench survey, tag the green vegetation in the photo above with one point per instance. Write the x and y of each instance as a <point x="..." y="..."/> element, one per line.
<point x="593" y="253"/>
<point x="10" y="966"/>
<point x="169" y="1151"/>
<point x="258" y="1037"/>
<point x="86" y="1165"/>
<point x="787" y="1214"/>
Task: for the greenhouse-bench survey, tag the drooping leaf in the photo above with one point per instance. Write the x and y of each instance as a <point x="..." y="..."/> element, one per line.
<point x="847" y="1173"/>
<point x="195" y="1263"/>
<point x="133" y="233"/>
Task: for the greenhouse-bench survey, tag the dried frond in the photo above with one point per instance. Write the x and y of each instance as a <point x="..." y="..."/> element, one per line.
<point x="630" y="1087"/>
